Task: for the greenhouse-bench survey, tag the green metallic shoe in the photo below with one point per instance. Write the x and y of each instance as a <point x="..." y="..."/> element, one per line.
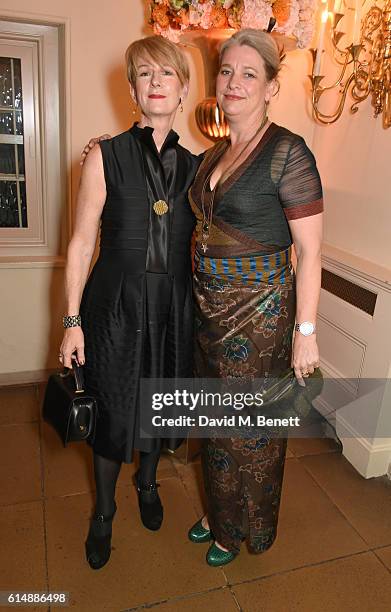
<point x="199" y="534"/>
<point x="215" y="557"/>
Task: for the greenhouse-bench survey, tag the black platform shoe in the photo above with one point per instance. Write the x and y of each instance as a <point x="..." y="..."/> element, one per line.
<point x="98" y="548"/>
<point x="151" y="509"/>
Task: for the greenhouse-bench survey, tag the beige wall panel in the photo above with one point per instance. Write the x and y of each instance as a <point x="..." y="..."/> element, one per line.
<point x="343" y="351"/>
<point x="353" y="156"/>
<point x="31" y="306"/>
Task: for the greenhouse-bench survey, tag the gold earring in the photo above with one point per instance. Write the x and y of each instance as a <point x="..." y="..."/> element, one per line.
<point x="180" y="105"/>
<point x="265" y="108"/>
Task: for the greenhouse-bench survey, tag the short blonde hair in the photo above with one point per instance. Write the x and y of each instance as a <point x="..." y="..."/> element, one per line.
<point x="263" y="43"/>
<point x="161" y="51"/>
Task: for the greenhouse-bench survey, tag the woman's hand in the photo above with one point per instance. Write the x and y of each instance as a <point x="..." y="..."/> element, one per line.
<point x="91" y="145"/>
<point x="72" y="343"/>
<point x="305" y="356"/>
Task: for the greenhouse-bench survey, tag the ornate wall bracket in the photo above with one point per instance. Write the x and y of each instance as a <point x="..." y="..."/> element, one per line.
<point x="365" y="67"/>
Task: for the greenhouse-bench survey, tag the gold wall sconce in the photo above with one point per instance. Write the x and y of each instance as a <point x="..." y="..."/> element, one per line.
<point x="365" y="64"/>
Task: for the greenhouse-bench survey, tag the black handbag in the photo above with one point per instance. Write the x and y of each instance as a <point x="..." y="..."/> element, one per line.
<point x="67" y="408"/>
<point x="285" y="398"/>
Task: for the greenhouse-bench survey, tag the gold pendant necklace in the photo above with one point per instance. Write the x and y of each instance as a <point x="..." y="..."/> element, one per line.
<point x="207" y="215"/>
<point x="160" y="207"/>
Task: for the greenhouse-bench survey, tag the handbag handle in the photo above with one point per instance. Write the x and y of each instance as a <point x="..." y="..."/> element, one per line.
<point x="78" y="375"/>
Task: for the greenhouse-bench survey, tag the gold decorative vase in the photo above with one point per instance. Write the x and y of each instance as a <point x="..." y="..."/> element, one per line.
<point x="208" y="42"/>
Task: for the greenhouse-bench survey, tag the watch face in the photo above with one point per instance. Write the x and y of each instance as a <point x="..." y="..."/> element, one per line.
<point x="306" y="328"/>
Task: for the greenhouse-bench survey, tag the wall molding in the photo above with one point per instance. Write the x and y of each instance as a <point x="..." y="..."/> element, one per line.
<point x="344" y="328"/>
<point x="63" y="25"/>
<point x="369" y="458"/>
<point x="364" y="271"/>
<point x="32" y="262"/>
<point x="339" y="379"/>
<point x="334" y="372"/>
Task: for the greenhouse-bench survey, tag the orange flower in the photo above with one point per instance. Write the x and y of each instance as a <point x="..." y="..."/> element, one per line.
<point x="184" y="17"/>
<point x="218" y="17"/>
<point x="159" y="15"/>
<point x="281" y="11"/>
<point x="180" y="18"/>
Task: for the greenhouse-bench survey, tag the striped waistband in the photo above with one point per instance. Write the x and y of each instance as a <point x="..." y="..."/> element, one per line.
<point x="270" y="268"/>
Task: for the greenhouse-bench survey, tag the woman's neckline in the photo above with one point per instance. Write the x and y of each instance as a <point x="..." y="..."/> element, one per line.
<point x="145" y="134"/>
<point x="237" y="171"/>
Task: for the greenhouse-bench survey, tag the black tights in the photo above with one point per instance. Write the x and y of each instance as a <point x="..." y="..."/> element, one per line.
<point x="148" y="467"/>
<point x="106" y="475"/>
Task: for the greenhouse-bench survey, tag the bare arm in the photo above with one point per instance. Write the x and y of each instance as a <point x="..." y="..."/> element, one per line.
<point x="307" y="238"/>
<point x="90" y="201"/>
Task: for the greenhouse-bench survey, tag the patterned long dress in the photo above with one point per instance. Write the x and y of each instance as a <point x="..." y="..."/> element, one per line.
<point x="244" y="317"/>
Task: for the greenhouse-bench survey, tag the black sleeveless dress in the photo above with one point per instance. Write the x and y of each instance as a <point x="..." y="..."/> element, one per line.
<point x="136" y="309"/>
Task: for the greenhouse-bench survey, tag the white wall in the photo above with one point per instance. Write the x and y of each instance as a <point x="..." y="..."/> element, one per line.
<point x="354" y="160"/>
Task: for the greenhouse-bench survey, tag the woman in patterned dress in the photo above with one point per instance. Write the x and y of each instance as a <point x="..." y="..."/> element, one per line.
<point x="254" y="195"/>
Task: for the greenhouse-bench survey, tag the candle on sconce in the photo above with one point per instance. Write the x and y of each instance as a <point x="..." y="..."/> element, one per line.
<point x="357" y="23"/>
<point x="337" y="6"/>
<point x="319" y="48"/>
<point x="337" y="11"/>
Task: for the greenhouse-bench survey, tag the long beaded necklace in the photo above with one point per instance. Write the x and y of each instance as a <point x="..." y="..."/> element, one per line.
<point x="207" y="215"/>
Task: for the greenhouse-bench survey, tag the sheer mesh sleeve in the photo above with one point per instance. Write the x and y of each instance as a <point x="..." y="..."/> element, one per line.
<point x="300" y="188"/>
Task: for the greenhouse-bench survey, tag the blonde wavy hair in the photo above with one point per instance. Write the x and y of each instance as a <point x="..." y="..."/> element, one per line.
<point x="161" y="51"/>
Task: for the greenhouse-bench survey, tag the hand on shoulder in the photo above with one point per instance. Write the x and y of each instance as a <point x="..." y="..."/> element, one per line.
<point x="91" y="146"/>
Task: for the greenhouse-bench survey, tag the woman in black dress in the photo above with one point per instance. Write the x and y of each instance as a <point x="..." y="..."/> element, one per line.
<point x="133" y="318"/>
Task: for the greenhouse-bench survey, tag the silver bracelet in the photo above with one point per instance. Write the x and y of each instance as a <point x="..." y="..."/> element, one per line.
<point x="71" y="321"/>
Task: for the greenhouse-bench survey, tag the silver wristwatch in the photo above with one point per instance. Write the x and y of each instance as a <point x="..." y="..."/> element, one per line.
<point x="306" y="328"/>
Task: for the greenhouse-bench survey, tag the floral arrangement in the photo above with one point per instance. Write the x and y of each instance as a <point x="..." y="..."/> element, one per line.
<point x="293" y="17"/>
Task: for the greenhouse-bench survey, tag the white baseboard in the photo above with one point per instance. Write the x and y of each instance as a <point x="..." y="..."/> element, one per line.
<point x="367" y="457"/>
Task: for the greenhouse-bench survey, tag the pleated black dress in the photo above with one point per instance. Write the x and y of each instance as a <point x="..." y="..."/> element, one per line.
<point x="136" y="308"/>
